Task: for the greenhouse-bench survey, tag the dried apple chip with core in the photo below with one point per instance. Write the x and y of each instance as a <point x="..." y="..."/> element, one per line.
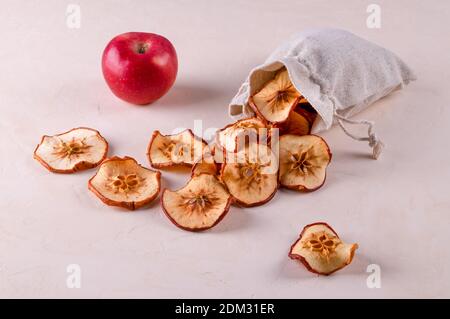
<point x="78" y="149"/>
<point x="276" y="99"/>
<point x="320" y="249"/>
<point x="199" y="205"/>
<point x="179" y="149"/>
<point x="295" y="124"/>
<point x="233" y="136"/>
<point x="124" y="183"/>
<point x="251" y="176"/>
<point x="303" y="161"/>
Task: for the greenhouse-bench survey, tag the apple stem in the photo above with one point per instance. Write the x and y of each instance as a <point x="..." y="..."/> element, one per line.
<point x="142" y="48"/>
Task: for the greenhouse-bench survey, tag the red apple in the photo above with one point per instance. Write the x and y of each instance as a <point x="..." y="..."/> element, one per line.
<point x="139" y="67"/>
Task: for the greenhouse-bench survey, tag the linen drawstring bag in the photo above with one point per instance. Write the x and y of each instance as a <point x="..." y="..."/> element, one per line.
<point x="339" y="73"/>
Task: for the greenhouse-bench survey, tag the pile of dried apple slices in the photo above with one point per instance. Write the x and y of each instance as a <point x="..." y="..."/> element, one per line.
<point x="249" y="159"/>
<point x="245" y="165"/>
<point x="118" y="182"/>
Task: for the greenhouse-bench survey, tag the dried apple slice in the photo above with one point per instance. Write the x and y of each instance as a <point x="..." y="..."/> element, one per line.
<point x="211" y="162"/>
<point x="205" y="165"/>
<point x="219" y="155"/>
<point x="179" y="149"/>
<point x="75" y="150"/>
<point x="307" y="111"/>
<point x="303" y="161"/>
<point x="295" y="124"/>
<point x="302" y="100"/>
<point x="251" y="175"/>
<point x="233" y="136"/>
<point x="320" y="249"/>
<point x="276" y="99"/>
<point x="123" y="182"/>
<point x="200" y="204"/>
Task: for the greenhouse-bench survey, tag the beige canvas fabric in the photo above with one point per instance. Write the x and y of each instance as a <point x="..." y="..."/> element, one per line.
<point x="339" y="73"/>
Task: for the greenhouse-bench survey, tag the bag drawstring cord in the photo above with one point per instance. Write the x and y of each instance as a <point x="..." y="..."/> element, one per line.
<point x="374" y="142"/>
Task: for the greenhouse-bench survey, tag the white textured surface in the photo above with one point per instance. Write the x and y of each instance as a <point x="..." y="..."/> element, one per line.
<point x="396" y="208"/>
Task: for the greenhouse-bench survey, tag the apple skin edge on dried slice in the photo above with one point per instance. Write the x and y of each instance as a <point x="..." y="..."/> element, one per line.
<point x="321" y="251"/>
<point x="296" y="124"/>
<point x="201" y="204"/>
<point x="211" y="162"/>
<point x="206" y="165"/>
<point x="124" y="183"/>
<point x="278" y="97"/>
<point x="233" y="136"/>
<point x="172" y="150"/>
<point x="251" y="175"/>
<point x="75" y="150"/>
<point x="303" y="162"/>
<point x="307" y="111"/>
